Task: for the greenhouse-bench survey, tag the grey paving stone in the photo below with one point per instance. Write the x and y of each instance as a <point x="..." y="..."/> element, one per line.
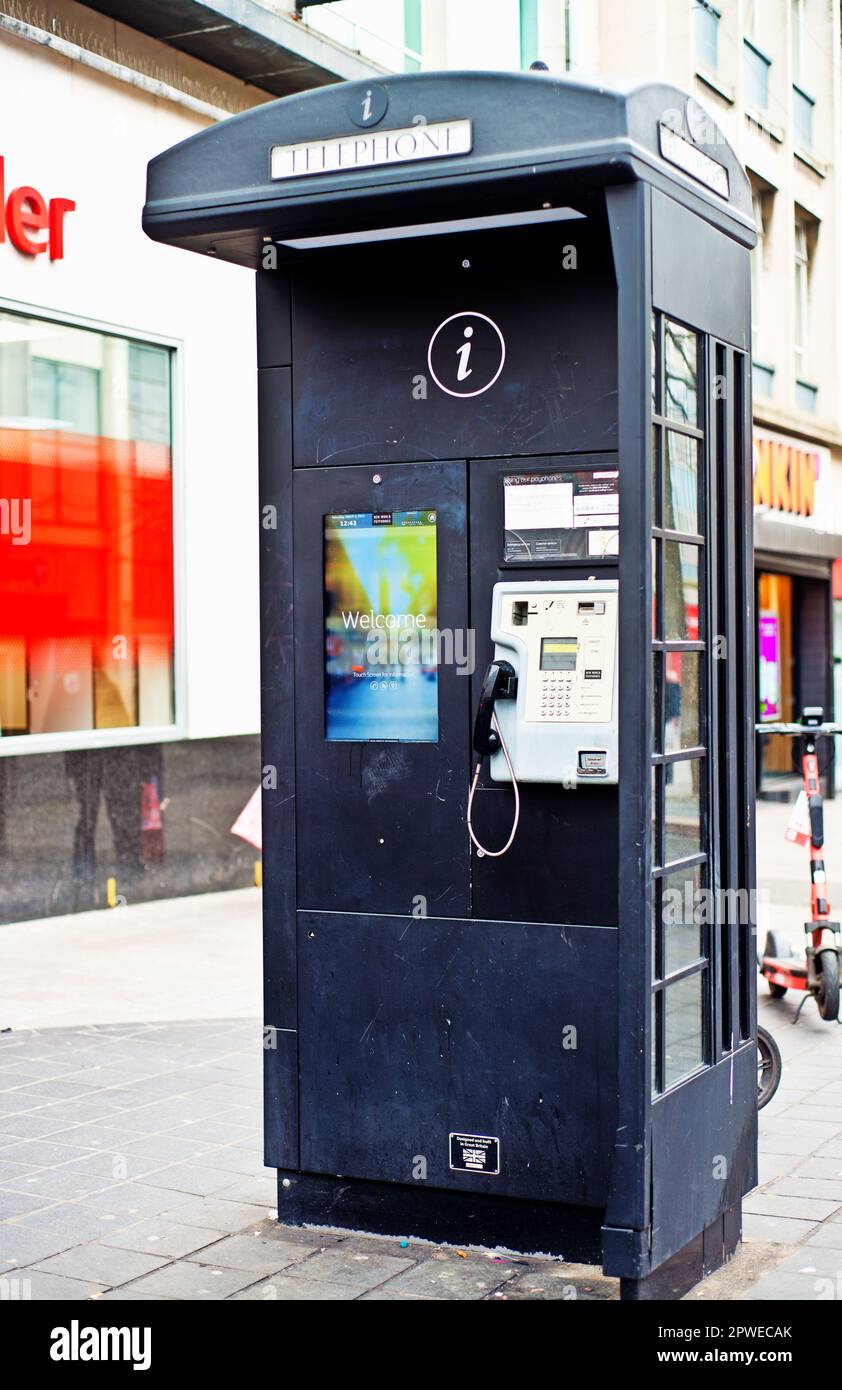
<point x="192" y="1281"/>
<point x="558" y="1282"/>
<point x="42" y="1153"/>
<point x="74" y="1219"/>
<point x="20" y="1245"/>
<point x="341" y="1265"/>
<point x="55" y="1089"/>
<point x="815" y="1260"/>
<point x="52" y="1287"/>
<point x="384" y="1295"/>
<point x="19" y="1204"/>
<point x="800" y="1145"/>
<point x="827" y="1236"/>
<point x="101" y="1264"/>
<point x="832" y="1149"/>
<point x="794" y="1185"/>
<point x="34" y="1126"/>
<point x="772" y="1166"/>
<point x="160" y="1236"/>
<point x="81" y="1110"/>
<point x="775" y="1228"/>
<point x="448" y="1276"/>
<point x="189" y="1178"/>
<point x="282" y="1289"/>
<point x="217" y="1214"/>
<point x="801" y="1208"/>
<point x="132" y="1199"/>
<point x="211" y="1132"/>
<point x="792" y="1126"/>
<point x="16" y="1170"/>
<point x="57" y="1183"/>
<point x="256" y="1191"/>
<point x="790" y="1287"/>
<point x="113" y="1165"/>
<point x="170" y="1150"/>
<point x="128" y="1295"/>
<point x="14" y="1102"/>
<point x="819" y="1168"/>
<point x="806" y="1113"/>
<point x="251" y="1252"/>
<point x="235" y="1160"/>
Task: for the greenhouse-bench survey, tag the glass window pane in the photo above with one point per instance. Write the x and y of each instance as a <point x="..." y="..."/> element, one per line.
<point x="656" y="592"/>
<point x="86" y="603"/>
<point x="682" y="813"/>
<point x="680" y="373"/>
<point x="683" y="1028"/>
<point x="656" y="475"/>
<point x="655" y="401"/>
<point x="681" y="484"/>
<point x="683" y="913"/>
<point x="656" y="818"/>
<point x="657" y="1005"/>
<point x="657" y="711"/>
<point x="682" y="691"/>
<point x="681" y="592"/>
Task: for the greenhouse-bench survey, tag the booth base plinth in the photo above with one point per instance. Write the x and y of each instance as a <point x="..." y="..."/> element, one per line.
<point x="445" y="1217"/>
<point x="707" y="1251"/>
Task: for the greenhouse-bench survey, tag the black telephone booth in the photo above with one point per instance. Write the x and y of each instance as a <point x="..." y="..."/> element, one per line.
<point x="504" y="394"/>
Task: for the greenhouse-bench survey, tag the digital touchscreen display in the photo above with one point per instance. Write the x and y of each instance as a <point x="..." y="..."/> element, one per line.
<point x="381" y="638"/>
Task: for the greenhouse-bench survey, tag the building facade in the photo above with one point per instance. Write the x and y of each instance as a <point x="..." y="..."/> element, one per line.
<point x="129" y="681"/>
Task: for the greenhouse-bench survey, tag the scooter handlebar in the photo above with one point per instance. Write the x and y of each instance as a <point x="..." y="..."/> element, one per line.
<point x="811" y="730"/>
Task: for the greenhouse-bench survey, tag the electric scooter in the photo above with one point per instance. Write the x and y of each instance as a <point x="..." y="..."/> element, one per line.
<point x="818" y="974"/>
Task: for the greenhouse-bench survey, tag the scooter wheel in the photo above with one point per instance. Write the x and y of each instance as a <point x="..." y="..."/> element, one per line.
<point x="828" y="994"/>
<point x="769" y="1067"/>
<point x="776" y="991"/>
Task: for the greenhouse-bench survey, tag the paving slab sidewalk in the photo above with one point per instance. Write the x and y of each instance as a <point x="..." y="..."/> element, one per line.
<point x="131" y="1151"/>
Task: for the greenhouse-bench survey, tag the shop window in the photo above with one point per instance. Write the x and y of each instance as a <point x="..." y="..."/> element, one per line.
<point x="86" y="544"/>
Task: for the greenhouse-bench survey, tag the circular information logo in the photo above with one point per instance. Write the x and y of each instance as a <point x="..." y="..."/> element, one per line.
<point x="466" y="354"/>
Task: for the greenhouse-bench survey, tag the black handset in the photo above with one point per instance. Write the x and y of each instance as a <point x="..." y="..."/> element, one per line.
<point x="498" y="683"/>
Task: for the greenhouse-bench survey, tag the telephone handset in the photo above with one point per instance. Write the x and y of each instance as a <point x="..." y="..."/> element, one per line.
<point x="498" y="683"/>
<point x="558" y="722"/>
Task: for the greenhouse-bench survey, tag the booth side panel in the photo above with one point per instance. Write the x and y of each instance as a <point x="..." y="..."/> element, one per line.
<point x="628" y="1212"/>
<point x="278" y="722"/>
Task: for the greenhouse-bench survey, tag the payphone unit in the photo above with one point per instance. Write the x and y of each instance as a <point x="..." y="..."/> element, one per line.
<point x="561" y="638"/>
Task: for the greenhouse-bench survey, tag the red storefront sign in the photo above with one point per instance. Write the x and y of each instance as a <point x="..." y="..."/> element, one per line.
<point x="27" y="215"/>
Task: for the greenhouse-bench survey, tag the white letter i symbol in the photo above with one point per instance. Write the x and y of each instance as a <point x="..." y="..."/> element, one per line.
<point x="463" y="353"/>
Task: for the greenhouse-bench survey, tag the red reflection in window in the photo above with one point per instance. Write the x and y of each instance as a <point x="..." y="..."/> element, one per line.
<point x="98" y="562"/>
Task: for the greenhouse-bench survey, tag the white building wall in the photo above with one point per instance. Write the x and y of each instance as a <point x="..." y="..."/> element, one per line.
<point x="71" y="132"/>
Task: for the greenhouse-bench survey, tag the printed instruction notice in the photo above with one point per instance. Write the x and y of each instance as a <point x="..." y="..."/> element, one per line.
<point x="560" y="516"/>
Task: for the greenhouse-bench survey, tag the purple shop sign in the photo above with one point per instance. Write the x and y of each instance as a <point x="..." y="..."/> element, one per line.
<point x="769" y="674"/>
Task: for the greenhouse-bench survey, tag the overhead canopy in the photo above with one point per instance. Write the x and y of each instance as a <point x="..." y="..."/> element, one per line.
<point x="473" y="143"/>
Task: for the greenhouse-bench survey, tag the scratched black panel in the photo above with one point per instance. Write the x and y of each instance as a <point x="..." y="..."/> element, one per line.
<point x="704" y="1139"/>
<point x="381" y="824"/>
<point x="413" y="1029"/>
<point x="363" y="320"/>
<point x="562" y="866"/>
